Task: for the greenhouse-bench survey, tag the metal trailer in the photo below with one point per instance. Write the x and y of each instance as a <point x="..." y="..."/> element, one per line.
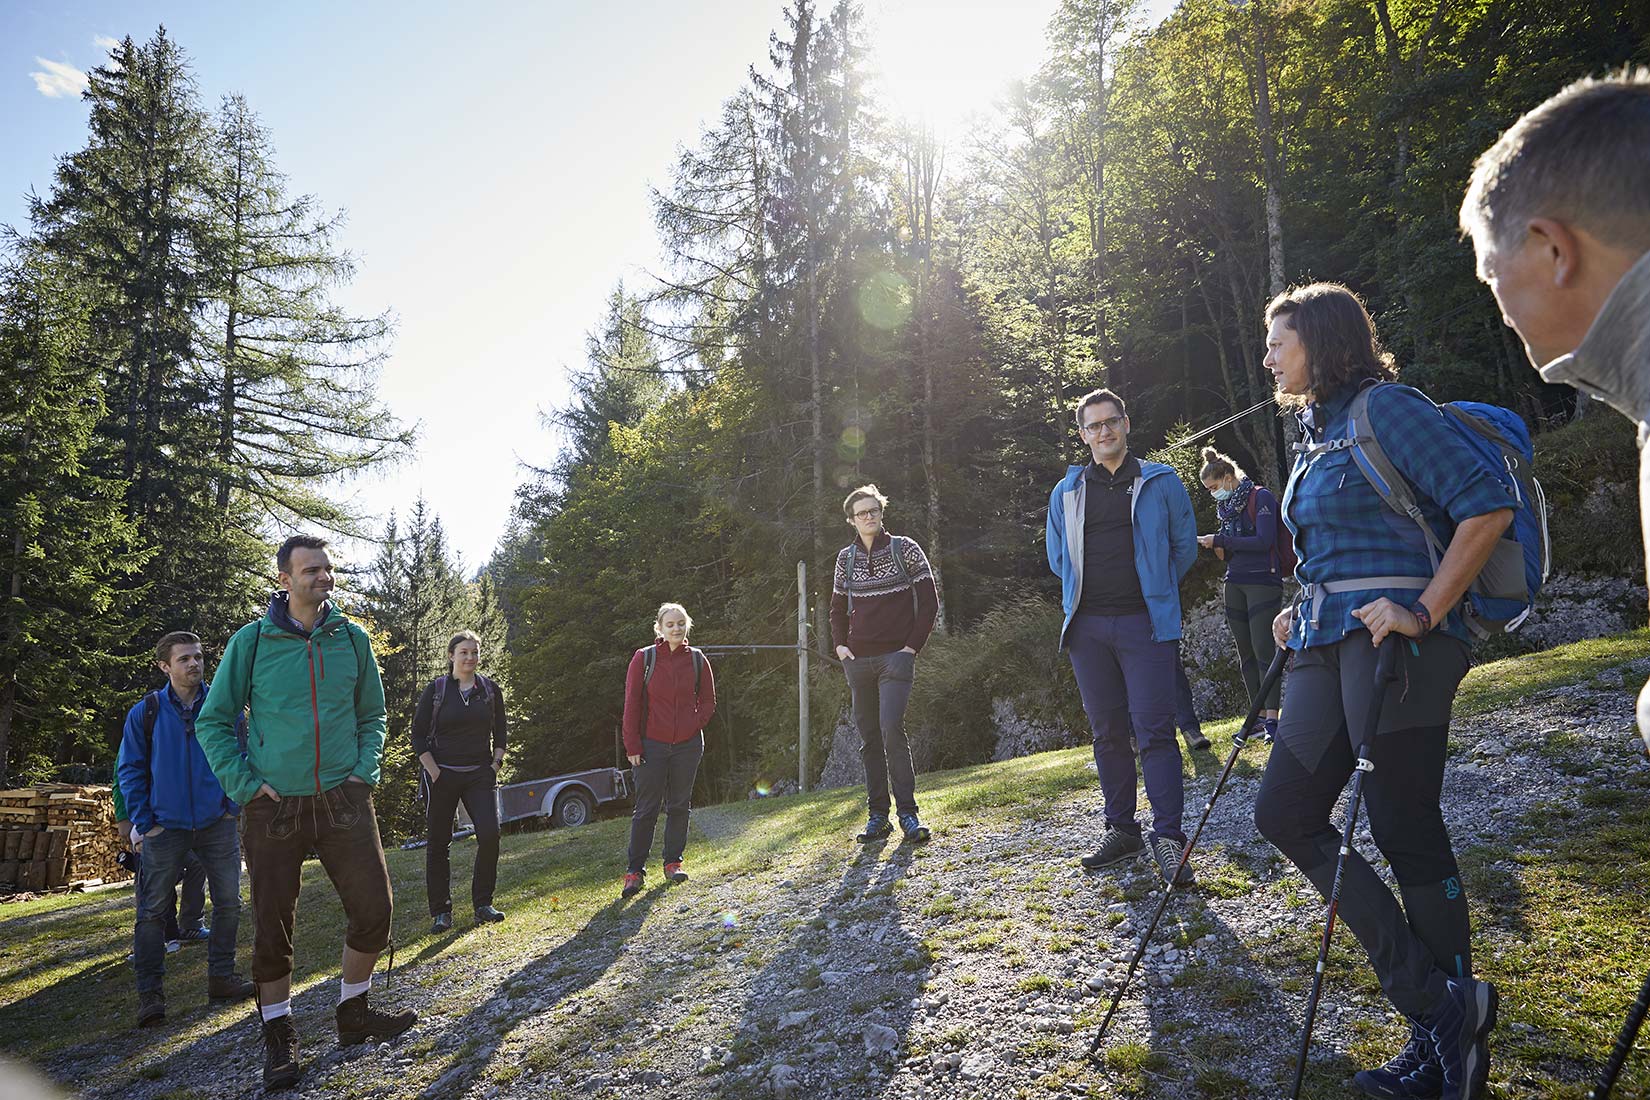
<point x="567" y="800"/>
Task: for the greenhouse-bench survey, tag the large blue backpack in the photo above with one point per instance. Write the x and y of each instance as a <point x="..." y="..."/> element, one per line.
<point x="1503" y="594"/>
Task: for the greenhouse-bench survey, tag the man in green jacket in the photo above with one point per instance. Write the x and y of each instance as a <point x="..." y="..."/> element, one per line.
<point x="315" y="740"/>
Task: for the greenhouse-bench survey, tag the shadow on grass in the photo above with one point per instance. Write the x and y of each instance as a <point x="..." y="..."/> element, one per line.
<point x="567" y="970"/>
<point x="862" y="910"/>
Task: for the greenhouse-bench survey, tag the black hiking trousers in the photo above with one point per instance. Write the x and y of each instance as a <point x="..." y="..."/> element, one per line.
<point x="1413" y="949"/>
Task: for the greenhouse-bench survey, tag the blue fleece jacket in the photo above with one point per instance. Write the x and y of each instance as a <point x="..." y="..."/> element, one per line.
<point x="169" y="781"/>
<point x="1165" y="543"/>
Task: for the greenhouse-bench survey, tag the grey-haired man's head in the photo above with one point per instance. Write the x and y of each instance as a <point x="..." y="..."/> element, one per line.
<point x="1559" y="208"/>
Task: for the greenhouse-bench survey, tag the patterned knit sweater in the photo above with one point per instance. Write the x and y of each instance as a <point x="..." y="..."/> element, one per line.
<point x="883" y="618"/>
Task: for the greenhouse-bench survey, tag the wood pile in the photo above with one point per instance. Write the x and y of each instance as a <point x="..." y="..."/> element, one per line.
<point x="58" y="836"/>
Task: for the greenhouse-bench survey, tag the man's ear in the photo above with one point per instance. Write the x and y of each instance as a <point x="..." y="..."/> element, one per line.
<point x="1559" y="250"/>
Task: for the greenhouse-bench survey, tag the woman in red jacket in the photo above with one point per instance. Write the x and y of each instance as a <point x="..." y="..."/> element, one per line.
<point x="669" y="698"/>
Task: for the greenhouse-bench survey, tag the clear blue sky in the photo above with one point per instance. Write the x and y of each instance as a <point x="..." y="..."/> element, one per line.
<point x="494" y="159"/>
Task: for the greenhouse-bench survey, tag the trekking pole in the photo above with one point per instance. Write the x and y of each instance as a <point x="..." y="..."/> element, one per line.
<point x="1383" y="674"/>
<point x="1624" y="1044"/>
<point x="1273" y="673"/>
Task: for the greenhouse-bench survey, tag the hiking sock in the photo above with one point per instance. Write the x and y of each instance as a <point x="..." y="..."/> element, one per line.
<point x="270" y="1012"/>
<point x="1437" y="913"/>
<point x="346" y="990"/>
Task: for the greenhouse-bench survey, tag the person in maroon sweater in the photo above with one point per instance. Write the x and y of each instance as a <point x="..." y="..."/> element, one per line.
<point x="669" y="699"/>
<point x="883" y="604"/>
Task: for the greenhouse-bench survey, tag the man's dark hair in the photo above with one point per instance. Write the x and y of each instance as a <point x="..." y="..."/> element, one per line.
<point x="283" y="556"/>
<point x="1337" y="334"/>
<point x="170" y="640"/>
<point x="1582" y="157"/>
<point x="1095" y="397"/>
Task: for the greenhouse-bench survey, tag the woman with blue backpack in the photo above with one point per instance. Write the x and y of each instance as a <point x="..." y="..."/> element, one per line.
<point x="1393" y="561"/>
<point x="458" y="735"/>
<point x="1249" y="541"/>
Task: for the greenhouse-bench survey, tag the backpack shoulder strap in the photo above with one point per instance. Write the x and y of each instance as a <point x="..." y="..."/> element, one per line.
<point x="698" y="669"/>
<point x="1391" y="485"/>
<point x="897" y="545"/>
<point x="151" y="714"/>
<point x="435" y="707"/>
<point x="848" y="581"/>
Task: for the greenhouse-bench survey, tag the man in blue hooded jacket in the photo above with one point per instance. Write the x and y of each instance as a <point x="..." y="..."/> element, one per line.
<point x="177" y="806"/>
<point x="1120" y="537"/>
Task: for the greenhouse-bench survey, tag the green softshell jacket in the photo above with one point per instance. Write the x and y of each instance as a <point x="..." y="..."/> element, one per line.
<point x="317" y="708"/>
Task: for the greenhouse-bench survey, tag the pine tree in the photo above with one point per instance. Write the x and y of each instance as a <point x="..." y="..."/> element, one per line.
<point x="66" y="542"/>
<point x="294" y="374"/>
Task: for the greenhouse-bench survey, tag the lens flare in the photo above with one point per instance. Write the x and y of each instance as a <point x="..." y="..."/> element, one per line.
<point x="730" y="920"/>
<point x="852" y="444"/>
<point x="763" y="788"/>
<point x="885" y="300"/>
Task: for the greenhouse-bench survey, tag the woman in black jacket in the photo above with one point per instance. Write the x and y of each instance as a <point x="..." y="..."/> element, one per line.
<point x="458" y="734"/>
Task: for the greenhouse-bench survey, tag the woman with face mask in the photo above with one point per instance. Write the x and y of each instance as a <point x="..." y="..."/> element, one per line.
<point x="1248" y="541"/>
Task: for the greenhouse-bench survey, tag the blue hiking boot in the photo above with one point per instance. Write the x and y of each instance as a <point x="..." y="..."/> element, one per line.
<point x="1460" y="1027"/>
<point x="1414" y="1073"/>
<point x="876" y="828"/>
<point x="915" y="831"/>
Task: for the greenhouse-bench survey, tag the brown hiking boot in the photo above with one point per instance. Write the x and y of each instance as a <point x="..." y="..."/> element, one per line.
<point x="359" y="1021"/>
<point x="151" y="1009"/>
<point x="281" y="1067"/>
<point x="229" y="987"/>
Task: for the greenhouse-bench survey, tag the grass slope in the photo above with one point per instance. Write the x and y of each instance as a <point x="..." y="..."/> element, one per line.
<point x="1559" y="903"/>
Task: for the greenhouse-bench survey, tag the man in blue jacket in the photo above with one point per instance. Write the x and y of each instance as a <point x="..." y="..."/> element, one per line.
<point x="1120" y="537"/>
<point x="177" y="807"/>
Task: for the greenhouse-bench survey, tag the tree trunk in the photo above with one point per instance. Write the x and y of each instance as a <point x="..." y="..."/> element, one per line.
<point x="1270" y="159"/>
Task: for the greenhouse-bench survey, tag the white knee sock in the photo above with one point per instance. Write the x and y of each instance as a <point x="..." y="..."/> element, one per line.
<point x="346" y="990"/>
<point x="270" y="1012"/>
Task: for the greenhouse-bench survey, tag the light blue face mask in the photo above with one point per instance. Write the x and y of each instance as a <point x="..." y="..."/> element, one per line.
<point x="1220" y="494"/>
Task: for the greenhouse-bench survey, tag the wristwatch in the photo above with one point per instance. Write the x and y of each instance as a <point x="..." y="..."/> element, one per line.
<point x="1419" y="610"/>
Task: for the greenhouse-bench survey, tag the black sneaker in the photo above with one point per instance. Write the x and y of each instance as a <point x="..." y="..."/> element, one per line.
<point x="1461" y="1029"/>
<point x="1414" y="1073"/>
<point x="442" y="922"/>
<point x="151" y="1009"/>
<point x="915" y="831"/>
<point x="876" y="827"/>
<point x="281" y="1067"/>
<point x="358" y="1022"/>
<point x="1115" y="847"/>
<point x="1166" y="851"/>
<point x="486" y="914"/>
<point x="1195" y="740"/>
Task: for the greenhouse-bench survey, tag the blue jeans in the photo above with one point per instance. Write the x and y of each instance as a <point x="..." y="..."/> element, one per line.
<point x="192" y="915"/>
<point x="1127" y="681"/>
<point x="219" y="850"/>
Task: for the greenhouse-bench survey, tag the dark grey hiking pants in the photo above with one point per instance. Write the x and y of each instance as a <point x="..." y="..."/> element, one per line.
<point x="881" y="688"/>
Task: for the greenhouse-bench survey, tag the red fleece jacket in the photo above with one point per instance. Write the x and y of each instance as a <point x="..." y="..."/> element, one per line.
<point x="673" y="714"/>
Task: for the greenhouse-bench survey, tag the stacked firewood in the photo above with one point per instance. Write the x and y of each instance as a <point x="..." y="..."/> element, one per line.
<point x="58" y="836"/>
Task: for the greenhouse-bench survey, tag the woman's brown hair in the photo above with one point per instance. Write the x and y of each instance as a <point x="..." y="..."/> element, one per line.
<point x="1341" y="347"/>
<point x="1217" y="466"/>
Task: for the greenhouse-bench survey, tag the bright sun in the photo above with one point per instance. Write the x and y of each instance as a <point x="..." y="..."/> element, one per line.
<point x="940" y="61"/>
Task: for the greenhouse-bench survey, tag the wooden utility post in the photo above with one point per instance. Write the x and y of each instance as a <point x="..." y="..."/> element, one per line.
<point x="802" y="675"/>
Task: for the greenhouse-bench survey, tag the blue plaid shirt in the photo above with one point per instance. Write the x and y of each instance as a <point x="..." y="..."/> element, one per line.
<point x="1344" y="530"/>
